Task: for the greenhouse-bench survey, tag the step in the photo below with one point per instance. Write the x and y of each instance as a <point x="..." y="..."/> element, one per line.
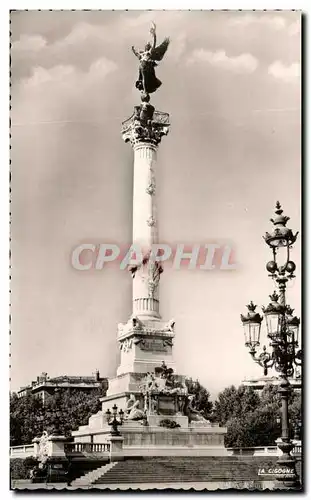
<point x="178" y="469"/>
<point x="93" y="475"/>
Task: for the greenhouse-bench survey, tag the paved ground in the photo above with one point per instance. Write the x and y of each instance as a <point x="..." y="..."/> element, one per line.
<point x="160" y="486"/>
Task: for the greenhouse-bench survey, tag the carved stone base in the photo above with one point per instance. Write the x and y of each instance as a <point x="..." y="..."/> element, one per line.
<point x="144" y="343"/>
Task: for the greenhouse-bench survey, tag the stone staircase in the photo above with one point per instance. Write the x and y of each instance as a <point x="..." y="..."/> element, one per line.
<point x="166" y="470"/>
<point x="92" y="476"/>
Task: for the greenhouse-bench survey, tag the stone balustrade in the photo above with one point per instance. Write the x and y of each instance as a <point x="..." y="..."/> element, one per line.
<point x="297" y="450"/>
<point x="23" y="451"/>
<point x="114" y="449"/>
<point x="263" y="451"/>
<point x="77" y="448"/>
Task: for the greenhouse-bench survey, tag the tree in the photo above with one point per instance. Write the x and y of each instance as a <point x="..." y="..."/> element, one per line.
<point x="65" y="411"/>
<point x="295" y="409"/>
<point x="255" y="428"/>
<point x="235" y="402"/>
<point x="24" y="423"/>
<point x="251" y="418"/>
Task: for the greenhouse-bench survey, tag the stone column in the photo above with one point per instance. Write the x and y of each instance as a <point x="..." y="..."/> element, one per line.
<point x="144" y="131"/>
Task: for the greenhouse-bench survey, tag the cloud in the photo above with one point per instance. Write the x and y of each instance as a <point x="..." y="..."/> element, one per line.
<point x="276" y="22"/>
<point x="83" y="32"/>
<point x="280" y="71"/>
<point x="29" y="43"/>
<point x="56" y="74"/>
<point x="101" y="68"/>
<point x="163" y="19"/>
<point x="294" y="28"/>
<point x="67" y="74"/>
<point x="244" y="63"/>
<point x="177" y="47"/>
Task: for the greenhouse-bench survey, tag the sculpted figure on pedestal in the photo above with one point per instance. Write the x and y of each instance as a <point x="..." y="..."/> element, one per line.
<point x="43" y="452"/>
<point x="193" y="414"/>
<point x="132" y="411"/>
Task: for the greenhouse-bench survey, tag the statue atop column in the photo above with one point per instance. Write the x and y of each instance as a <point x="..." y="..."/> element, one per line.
<point x="147" y="81"/>
<point x="147" y="125"/>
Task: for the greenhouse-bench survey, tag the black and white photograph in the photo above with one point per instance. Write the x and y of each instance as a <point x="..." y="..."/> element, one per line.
<point x="156" y="250"/>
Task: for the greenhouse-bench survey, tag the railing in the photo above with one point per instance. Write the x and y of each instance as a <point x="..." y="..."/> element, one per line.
<point x="258" y="450"/>
<point x="159" y="117"/>
<point x="76" y="448"/>
<point x="255" y="451"/>
<point x="263" y="451"/>
<point x="297" y="449"/>
<point x="22" y="451"/>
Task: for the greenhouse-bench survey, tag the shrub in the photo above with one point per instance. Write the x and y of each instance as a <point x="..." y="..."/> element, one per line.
<point x="30" y="462"/>
<point x="18" y="468"/>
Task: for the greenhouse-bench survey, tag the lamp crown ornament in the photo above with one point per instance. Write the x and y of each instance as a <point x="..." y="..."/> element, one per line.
<point x="251" y="306"/>
<point x="274" y="307"/>
<point x="280" y="219"/>
<point x="252" y="316"/>
<point x="281" y="236"/>
<point x="290" y="319"/>
<point x="274" y="296"/>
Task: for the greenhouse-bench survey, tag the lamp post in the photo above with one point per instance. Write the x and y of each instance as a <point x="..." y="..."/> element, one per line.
<point x="115" y="419"/>
<point x="283" y="334"/>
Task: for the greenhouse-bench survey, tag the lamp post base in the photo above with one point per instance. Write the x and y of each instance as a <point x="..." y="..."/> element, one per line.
<point x="286" y="474"/>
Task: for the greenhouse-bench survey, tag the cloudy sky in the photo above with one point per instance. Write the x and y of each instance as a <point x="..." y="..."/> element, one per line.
<point x="231" y="83"/>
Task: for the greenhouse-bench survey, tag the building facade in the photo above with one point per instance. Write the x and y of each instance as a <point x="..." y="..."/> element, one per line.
<point x="45" y="386"/>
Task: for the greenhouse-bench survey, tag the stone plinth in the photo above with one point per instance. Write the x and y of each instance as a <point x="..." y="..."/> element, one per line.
<point x="116" y="448"/>
<point x="56" y="445"/>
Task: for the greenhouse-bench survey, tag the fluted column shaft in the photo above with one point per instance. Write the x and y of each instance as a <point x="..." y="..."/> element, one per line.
<point x="145" y="289"/>
<point x="144" y="130"/>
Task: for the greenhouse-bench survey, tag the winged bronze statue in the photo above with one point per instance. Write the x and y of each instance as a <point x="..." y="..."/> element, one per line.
<point x="147" y="81"/>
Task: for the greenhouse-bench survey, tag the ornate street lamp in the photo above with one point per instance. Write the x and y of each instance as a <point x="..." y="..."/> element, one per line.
<point x="293" y="325"/>
<point x="283" y="334"/>
<point x="273" y="315"/>
<point x="252" y="325"/>
<point x="115" y="419"/>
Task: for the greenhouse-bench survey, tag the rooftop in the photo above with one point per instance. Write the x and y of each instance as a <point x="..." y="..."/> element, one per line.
<point x="44" y="380"/>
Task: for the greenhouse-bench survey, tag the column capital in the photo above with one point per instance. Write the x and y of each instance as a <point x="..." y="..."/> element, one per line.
<point x="146" y="126"/>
